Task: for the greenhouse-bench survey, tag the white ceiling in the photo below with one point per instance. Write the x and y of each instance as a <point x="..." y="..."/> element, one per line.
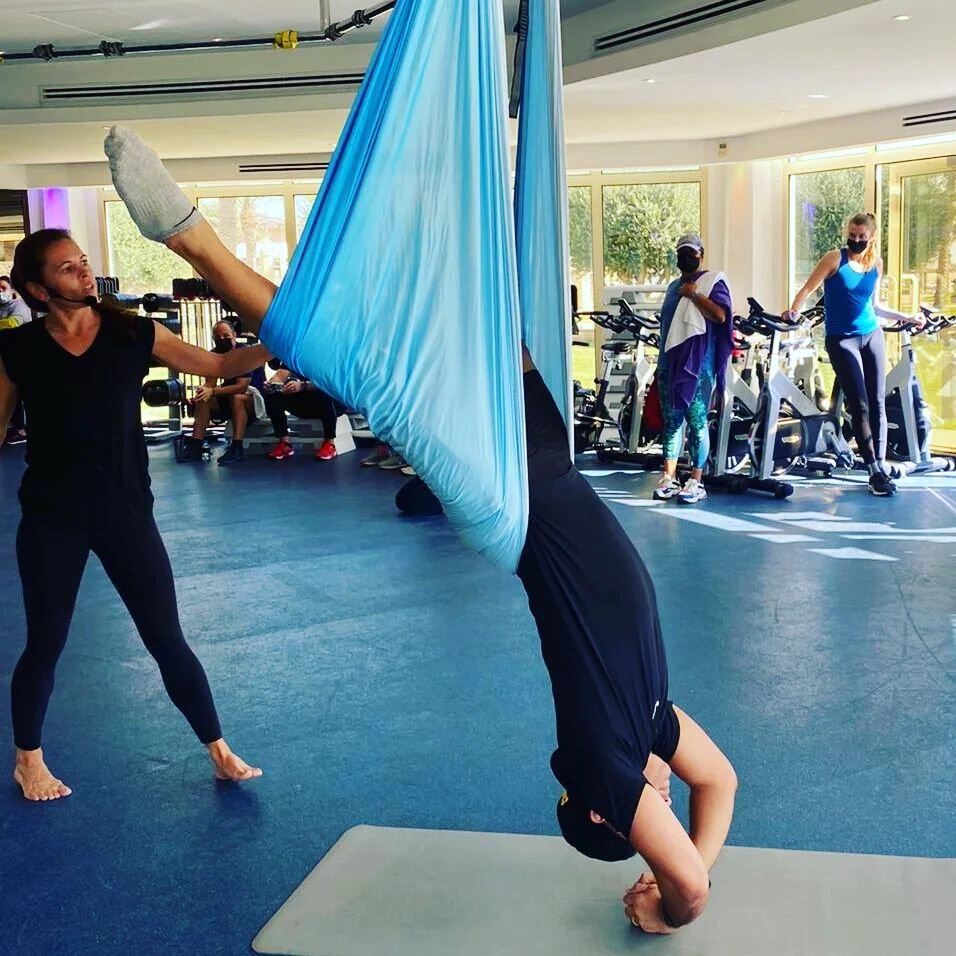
<point x="862" y="59"/>
<point x="83" y="23"/>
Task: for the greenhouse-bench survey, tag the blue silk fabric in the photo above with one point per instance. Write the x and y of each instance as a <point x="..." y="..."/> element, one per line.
<point x="402" y="297"/>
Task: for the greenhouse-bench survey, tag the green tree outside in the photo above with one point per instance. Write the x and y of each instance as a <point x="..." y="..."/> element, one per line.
<point x="141" y="265"/>
<point x="642" y="224"/>
<point x="821" y="205"/>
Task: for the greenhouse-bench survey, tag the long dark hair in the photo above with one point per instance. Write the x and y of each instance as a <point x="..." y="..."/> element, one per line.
<point x="29" y="258"/>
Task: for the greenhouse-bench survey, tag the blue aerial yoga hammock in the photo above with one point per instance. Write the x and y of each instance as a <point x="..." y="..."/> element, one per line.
<point x="541" y="203"/>
<point x="402" y="299"/>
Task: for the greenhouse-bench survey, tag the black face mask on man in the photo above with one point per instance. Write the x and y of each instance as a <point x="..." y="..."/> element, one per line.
<point x="688" y="261"/>
<point x="222" y="345"/>
<point x="856" y="246"/>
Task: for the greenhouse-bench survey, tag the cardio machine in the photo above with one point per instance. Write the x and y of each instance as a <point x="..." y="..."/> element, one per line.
<point x="790" y="432"/>
<point x="909" y="426"/>
<point x="611" y="418"/>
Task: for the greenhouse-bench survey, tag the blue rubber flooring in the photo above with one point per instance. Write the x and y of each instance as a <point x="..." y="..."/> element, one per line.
<point x="382" y="674"/>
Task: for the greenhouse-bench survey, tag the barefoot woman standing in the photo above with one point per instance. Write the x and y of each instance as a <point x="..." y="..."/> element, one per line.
<point x="79" y="372"/>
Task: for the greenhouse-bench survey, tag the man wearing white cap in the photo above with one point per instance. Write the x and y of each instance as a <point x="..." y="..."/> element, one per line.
<point x="697" y="336"/>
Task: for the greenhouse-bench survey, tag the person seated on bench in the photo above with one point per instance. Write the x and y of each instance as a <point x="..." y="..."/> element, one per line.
<point x="234" y="400"/>
<point x="287" y="392"/>
<point x="14" y="311"/>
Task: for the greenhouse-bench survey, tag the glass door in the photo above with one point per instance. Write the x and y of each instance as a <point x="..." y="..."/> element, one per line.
<point x="921" y="270"/>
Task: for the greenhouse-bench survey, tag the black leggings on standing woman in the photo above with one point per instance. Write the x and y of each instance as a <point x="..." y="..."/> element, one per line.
<point x="859" y="362"/>
<point x="51" y="559"/>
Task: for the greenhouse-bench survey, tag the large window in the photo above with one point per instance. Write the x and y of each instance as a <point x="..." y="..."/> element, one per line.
<point x="303" y="206"/>
<point x="820" y="205"/>
<point x="923" y="263"/>
<point x="253" y="229"/>
<point x="12" y="226"/>
<point x="582" y="245"/>
<point x="140" y="264"/>
<point x="642" y="224"/>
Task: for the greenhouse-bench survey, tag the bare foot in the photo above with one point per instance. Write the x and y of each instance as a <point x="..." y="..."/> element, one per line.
<point x="230" y="766"/>
<point x="35" y="779"/>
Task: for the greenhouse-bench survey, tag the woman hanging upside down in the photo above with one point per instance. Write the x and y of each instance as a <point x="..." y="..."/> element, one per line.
<point x="618" y="733"/>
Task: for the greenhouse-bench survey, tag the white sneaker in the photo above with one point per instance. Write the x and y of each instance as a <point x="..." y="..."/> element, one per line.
<point x="666" y="488"/>
<point x="692" y="492"/>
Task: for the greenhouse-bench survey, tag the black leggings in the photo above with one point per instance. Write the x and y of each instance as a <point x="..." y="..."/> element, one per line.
<point x="51" y="558"/>
<point x="312" y="404"/>
<point x="859" y="362"/>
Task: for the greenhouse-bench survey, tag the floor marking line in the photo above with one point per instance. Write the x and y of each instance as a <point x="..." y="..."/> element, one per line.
<point x="851" y="554"/>
<point x="713" y="520"/>
<point x="926" y="538"/>
<point x="943" y="499"/>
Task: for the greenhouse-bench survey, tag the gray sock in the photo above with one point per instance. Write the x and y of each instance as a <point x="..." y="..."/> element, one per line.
<point x="156" y="204"/>
<point x="874" y="468"/>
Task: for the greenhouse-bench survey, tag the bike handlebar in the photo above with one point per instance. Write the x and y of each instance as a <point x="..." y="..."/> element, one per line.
<point x="628" y="313"/>
<point x="759" y="315"/>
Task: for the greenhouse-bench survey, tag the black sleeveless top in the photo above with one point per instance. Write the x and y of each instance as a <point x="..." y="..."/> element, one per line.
<point x="86" y="454"/>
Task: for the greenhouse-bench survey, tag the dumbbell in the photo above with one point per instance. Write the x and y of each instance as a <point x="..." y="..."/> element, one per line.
<point x="160" y="393"/>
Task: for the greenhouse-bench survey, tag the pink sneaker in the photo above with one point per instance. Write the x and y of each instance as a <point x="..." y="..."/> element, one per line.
<point x="326" y="452"/>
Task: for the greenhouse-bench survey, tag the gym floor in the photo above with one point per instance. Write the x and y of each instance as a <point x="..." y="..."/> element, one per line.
<point x="380" y="673"/>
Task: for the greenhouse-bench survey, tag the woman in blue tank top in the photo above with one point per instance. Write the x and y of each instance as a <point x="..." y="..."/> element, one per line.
<point x="854" y="338"/>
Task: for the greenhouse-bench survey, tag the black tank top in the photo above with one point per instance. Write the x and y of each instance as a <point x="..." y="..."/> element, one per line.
<point x="86" y="454"/>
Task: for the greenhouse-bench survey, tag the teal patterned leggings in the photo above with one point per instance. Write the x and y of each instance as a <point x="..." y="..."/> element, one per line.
<point x="698" y="434"/>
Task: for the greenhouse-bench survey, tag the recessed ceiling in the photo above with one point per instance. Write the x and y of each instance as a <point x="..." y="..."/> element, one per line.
<point x="861" y="60"/>
<point x="84" y="23"/>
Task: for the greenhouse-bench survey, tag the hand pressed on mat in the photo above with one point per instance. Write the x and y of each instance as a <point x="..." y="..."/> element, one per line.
<point x="644" y="907"/>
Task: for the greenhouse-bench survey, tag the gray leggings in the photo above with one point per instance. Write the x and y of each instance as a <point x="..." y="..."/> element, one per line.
<point x="859" y="362"/>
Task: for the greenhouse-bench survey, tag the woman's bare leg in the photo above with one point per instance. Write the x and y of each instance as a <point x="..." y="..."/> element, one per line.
<point x="249" y="293"/>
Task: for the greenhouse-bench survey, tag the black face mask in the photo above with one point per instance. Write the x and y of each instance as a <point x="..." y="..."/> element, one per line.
<point x="856" y="246"/>
<point x="222" y="345"/>
<point x="688" y="262"/>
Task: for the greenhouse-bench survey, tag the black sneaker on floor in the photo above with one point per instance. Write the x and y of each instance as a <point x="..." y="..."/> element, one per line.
<point x="235" y="452"/>
<point x="882" y="485"/>
<point x="188" y="448"/>
<point x="15" y="437"/>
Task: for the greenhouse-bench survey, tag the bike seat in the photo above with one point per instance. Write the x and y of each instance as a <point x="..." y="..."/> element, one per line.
<point x="617" y="346"/>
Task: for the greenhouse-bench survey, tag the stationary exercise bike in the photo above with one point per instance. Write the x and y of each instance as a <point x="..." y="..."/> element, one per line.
<point x="909" y="427"/>
<point x="732" y="467"/>
<point x="611" y="418"/>
<point x="790" y="432"/>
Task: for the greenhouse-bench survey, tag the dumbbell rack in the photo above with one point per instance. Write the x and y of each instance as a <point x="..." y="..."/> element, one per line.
<point x="191" y="312"/>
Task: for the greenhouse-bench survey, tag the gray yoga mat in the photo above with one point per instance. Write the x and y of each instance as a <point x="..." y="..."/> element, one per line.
<point x="393" y="892"/>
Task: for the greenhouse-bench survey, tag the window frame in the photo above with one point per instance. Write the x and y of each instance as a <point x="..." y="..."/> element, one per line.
<point x="287" y="189"/>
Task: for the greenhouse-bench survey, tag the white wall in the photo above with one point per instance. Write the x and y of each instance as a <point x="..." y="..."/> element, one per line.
<point x="746" y="218"/>
<point x="85" y="226"/>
